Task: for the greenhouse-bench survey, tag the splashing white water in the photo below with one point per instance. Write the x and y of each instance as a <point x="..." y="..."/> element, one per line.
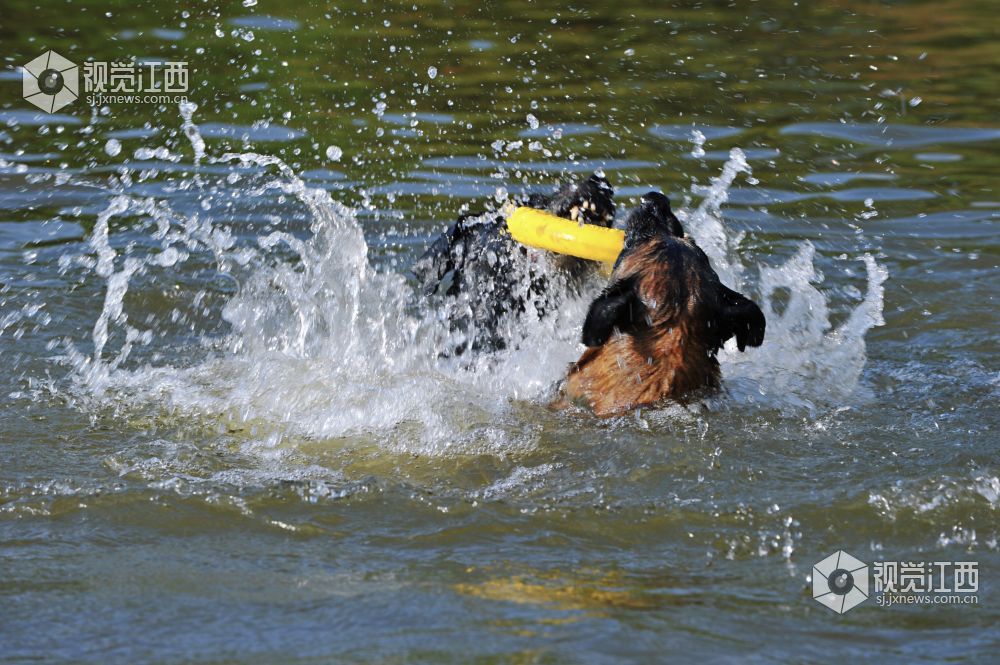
<point x="803" y="360"/>
<point x="322" y="345"/>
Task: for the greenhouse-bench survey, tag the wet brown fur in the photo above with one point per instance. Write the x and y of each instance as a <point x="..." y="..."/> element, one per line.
<point x="670" y="352"/>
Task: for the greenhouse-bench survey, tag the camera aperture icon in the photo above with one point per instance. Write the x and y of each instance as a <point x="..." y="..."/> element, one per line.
<point x="50" y="81"/>
<point x="840" y="582"/>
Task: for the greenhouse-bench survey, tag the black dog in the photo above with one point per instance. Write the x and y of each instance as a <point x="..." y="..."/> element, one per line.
<point x="478" y="267"/>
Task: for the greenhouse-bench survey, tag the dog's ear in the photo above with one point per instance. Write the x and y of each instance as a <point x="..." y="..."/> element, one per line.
<point x="618" y="306"/>
<point x="741" y="317"/>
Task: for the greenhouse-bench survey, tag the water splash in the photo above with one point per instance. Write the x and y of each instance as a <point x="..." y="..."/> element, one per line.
<point x="804" y="361"/>
<point x="320" y="344"/>
<point x="697" y="144"/>
<point x="705" y="225"/>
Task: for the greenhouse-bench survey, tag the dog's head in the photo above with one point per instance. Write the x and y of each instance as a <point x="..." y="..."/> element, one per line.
<point x="589" y="202"/>
<point x="659" y="265"/>
<point x="650" y="219"/>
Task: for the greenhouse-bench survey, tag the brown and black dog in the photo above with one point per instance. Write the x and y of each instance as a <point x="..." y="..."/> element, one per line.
<point x="654" y="332"/>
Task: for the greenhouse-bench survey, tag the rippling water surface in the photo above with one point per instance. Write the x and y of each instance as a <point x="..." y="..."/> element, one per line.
<point x="227" y="432"/>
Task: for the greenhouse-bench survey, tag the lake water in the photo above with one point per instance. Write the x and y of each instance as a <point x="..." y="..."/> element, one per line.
<point x="226" y="431"/>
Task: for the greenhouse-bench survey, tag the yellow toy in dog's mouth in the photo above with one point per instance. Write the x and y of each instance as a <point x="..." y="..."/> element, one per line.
<point x="543" y="230"/>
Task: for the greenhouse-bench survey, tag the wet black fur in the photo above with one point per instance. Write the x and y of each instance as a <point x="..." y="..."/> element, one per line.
<point x="475" y="256"/>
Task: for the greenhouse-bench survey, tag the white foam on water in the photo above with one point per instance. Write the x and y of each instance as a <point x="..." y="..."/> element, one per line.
<point x="804" y="361"/>
<point x="324" y="346"/>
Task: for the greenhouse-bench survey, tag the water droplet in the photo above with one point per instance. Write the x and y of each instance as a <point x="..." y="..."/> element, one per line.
<point x="532" y="121"/>
<point x="698" y="141"/>
<point x="432" y="72"/>
<point x="334" y="153"/>
<point x="249" y="3"/>
<point x="112" y="147"/>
